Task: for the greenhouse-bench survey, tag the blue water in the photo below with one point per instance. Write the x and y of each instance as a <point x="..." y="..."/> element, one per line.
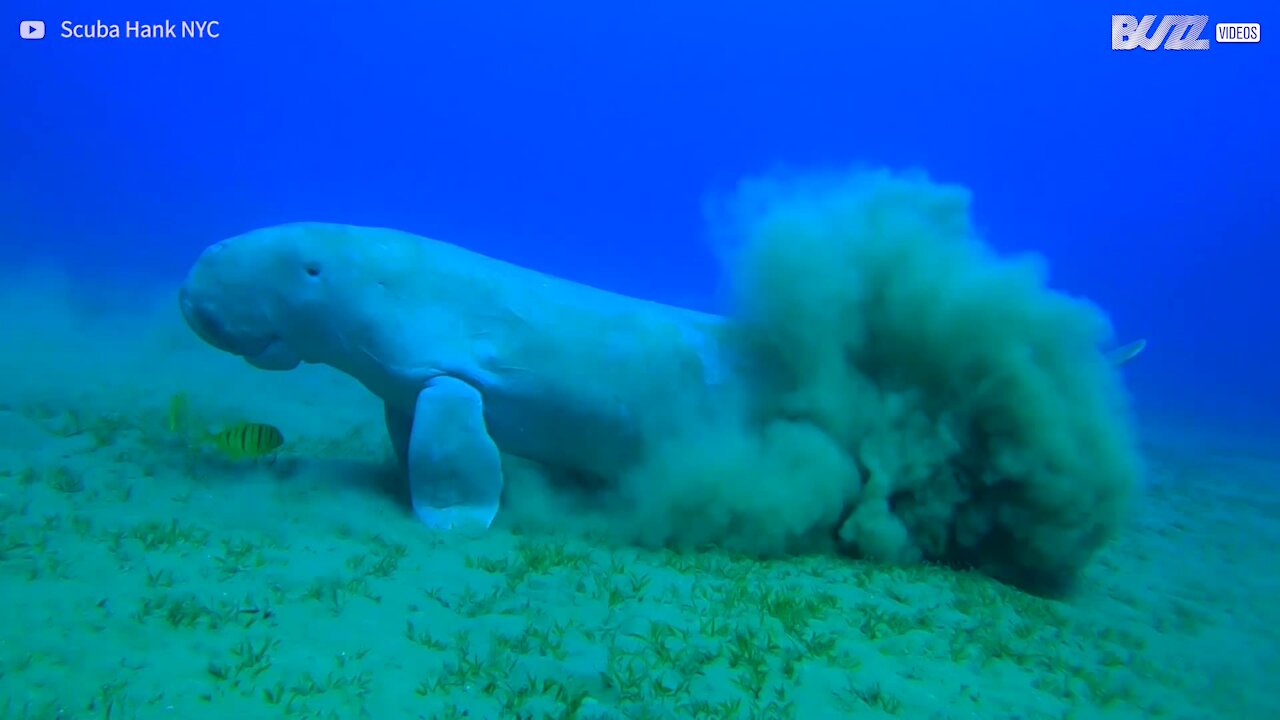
<point x="584" y="140"/>
<point x="581" y="140"/>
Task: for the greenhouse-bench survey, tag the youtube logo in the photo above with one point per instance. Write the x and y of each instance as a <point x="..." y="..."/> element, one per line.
<point x="31" y="29"/>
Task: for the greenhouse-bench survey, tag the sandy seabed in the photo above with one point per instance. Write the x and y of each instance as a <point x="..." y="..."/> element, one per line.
<point x="144" y="575"/>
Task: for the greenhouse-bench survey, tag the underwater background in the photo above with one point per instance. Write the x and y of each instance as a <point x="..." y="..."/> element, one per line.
<point x="147" y="575"/>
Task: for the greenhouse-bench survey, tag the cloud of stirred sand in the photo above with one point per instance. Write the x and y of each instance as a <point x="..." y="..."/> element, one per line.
<point x="913" y="396"/>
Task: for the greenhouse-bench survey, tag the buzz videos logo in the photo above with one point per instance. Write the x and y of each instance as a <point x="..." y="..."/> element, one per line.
<point x="1176" y="32"/>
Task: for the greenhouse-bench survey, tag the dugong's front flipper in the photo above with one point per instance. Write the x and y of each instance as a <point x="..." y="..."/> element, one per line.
<point x="455" y="472"/>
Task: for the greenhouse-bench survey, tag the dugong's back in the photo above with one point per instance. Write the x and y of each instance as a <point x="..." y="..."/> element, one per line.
<point x="570" y="374"/>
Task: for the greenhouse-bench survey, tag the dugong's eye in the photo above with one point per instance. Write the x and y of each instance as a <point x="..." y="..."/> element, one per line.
<point x="312" y="269"/>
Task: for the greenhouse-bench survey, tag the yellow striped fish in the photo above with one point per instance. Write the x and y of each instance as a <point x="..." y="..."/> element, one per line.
<point x="247" y="440"/>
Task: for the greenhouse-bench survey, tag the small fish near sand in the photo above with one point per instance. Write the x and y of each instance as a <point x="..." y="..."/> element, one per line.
<point x="179" y="410"/>
<point x="248" y="440"/>
<point x="241" y="441"/>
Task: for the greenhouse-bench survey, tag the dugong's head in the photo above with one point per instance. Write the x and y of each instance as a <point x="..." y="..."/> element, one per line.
<point x="288" y="294"/>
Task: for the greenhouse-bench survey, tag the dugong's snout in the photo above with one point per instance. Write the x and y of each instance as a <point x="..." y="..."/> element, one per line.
<point x="204" y="323"/>
<point x="267" y="352"/>
<point x="229" y="312"/>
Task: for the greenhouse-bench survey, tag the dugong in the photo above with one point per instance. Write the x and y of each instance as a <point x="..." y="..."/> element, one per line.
<point x="469" y="354"/>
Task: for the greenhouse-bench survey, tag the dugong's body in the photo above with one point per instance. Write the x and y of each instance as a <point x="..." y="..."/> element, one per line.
<point x="469" y="354"/>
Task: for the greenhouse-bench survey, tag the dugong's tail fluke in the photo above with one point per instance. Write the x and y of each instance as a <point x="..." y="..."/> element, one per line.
<point x="1125" y="353"/>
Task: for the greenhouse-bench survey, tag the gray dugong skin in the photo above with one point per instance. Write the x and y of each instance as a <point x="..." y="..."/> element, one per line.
<point x="469" y="354"/>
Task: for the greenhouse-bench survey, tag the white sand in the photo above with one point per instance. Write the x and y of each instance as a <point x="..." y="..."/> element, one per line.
<point x="146" y="577"/>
